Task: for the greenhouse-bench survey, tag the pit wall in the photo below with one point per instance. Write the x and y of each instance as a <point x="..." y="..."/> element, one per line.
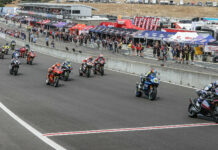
<point x="176" y="76"/>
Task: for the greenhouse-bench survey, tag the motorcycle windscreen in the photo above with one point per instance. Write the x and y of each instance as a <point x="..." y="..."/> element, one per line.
<point x="205" y="105"/>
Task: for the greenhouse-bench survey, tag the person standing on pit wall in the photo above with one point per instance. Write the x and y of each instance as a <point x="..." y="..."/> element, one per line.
<point x="47" y="41"/>
<point x="133" y="49"/>
<point x="192" y="54"/>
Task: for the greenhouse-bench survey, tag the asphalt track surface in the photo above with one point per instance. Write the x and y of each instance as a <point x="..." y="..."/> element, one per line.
<point x="95" y="103"/>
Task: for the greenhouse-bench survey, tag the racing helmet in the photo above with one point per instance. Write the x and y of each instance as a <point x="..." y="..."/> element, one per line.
<point x="101" y="55"/>
<point x="153" y="71"/>
<point x="58" y="64"/>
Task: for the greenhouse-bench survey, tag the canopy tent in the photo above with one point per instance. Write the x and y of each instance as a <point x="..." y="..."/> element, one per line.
<point x="78" y="27"/>
<point x="215" y="43"/>
<point x="204" y="41"/>
<point x="60" y="24"/>
<point x="126" y="24"/>
<point x="44" y="21"/>
<point x="182" y="37"/>
<point x="70" y="25"/>
<point x="86" y="29"/>
<point x="154" y="35"/>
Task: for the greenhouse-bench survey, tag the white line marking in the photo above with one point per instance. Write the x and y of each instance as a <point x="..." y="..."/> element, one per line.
<point x="131" y="129"/>
<point x="31" y="129"/>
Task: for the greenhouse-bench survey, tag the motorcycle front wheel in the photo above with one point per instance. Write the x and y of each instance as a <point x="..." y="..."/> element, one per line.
<point x="191" y="113"/>
<point x="153" y="94"/>
<point x="56" y="82"/>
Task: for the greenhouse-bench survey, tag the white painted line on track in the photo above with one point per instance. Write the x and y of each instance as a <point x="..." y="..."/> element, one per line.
<point x="31" y="129"/>
<point x="131" y="129"/>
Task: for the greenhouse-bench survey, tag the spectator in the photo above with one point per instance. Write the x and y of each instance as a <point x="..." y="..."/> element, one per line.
<point x="47" y="41"/>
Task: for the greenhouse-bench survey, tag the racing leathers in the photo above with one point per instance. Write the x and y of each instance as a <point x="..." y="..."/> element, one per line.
<point x="208" y="91"/>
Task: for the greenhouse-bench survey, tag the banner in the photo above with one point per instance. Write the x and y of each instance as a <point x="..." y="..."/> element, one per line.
<point x="156" y="23"/>
<point x="147" y="23"/>
<point x="151" y="24"/>
<point x="144" y="23"/>
<point x="140" y="22"/>
<point x="136" y="20"/>
<point x="210" y="48"/>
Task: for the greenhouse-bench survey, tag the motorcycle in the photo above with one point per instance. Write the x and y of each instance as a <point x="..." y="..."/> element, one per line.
<point x="27" y="48"/>
<point x="13" y="68"/>
<point x="86" y="69"/>
<point x="54" y="77"/>
<point x="22" y="52"/>
<point x="208" y="107"/>
<point x="30" y="58"/>
<point x="6" y="50"/>
<point x="66" y="71"/>
<point x="13" y="44"/>
<point x="2" y="53"/>
<point x="149" y="88"/>
<point x="15" y="54"/>
<point x="99" y="67"/>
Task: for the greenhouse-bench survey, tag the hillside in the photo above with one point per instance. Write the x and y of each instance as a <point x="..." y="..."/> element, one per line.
<point x="154" y="10"/>
<point x="124" y="9"/>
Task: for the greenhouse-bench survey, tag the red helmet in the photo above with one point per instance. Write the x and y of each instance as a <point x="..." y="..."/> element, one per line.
<point x="84" y="60"/>
<point x="58" y="64"/>
<point x="101" y="55"/>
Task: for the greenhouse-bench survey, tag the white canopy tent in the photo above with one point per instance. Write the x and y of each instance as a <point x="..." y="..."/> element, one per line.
<point x="182" y="37"/>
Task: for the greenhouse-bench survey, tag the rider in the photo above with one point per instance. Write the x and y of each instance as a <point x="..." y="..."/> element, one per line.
<point x="6" y="46"/>
<point x="89" y="59"/>
<point x="51" y="69"/>
<point x="207" y="91"/>
<point x="96" y="61"/>
<point x="13" y="43"/>
<point x="65" y="63"/>
<point x="147" y="76"/>
<point x="16" y="53"/>
<point x="13" y="61"/>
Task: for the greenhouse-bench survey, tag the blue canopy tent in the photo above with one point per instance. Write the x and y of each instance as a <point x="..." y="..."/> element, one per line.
<point x="205" y="40"/>
<point x="153" y="35"/>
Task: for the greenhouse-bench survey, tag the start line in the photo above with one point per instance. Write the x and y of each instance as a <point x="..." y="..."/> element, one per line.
<point x="131" y="129"/>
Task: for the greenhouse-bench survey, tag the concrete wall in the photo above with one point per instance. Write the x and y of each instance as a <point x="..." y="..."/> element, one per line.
<point x="167" y="74"/>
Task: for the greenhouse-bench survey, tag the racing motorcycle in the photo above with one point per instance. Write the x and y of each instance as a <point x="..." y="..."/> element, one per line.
<point x="66" y="71"/>
<point x="2" y="53"/>
<point x="13" y="68"/>
<point x="54" y="77"/>
<point x="6" y="50"/>
<point x="99" y="67"/>
<point x="23" y="52"/>
<point x="13" y="44"/>
<point x="208" y="107"/>
<point x="85" y="69"/>
<point x="30" y="57"/>
<point x="15" y="54"/>
<point x="149" y="88"/>
<point x="27" y="48"/>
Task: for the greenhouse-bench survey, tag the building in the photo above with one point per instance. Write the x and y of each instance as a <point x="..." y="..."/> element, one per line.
<point x="58" y="11"/>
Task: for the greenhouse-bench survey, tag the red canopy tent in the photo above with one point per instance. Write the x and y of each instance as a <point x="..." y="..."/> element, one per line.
<point x="44" y="21"/>
<point x="121" y="23"/>
<point x="78" y="28"/>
